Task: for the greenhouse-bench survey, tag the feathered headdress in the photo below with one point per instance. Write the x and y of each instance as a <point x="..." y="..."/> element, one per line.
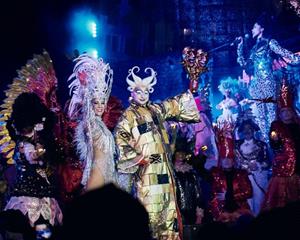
<point x="37" y="76"/>
<point x="147" y="82"/>
<point x="91" y="78"/>
<point x="229" y="84"/>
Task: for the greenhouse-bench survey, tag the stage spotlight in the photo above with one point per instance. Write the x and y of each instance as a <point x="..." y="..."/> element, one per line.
<point x="93" y="29"/>
<point x="94" y="53"/>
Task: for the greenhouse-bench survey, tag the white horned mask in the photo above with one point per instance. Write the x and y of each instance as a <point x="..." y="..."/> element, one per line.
<point x="137" y="82"/>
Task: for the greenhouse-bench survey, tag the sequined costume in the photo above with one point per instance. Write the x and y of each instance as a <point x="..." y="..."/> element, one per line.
<point x="238" y="189"/>
<point x="36" y="156"/>
<point x="34" y="192"/>
<point x="90" y="87"/>
<point x="141" y="132"/>
<point x="263" y="84"/>
<point x="189" y="195"/>
<point x="284" y="186"/>
<point x="252" y="156"/>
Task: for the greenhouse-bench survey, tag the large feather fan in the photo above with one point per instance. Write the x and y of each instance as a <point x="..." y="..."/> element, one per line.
<point x="37" y="76"/>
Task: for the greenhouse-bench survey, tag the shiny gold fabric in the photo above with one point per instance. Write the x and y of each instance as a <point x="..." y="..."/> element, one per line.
<point x="140" y="132"/>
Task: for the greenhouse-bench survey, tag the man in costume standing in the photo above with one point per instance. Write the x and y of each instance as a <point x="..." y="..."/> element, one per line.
<point x="145" y="153"/>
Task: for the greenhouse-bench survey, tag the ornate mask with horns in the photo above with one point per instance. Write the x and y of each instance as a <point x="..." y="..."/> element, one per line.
<point x="140" y="88"/>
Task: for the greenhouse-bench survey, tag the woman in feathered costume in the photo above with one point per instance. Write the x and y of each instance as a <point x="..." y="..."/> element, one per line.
<point x="91" y="87"/>
<point x="228" y="87"/>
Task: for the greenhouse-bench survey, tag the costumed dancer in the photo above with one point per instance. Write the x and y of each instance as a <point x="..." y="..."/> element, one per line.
<point x="190" y="197"/>
<point x="252" y="155"/>
<point x="31" y="128"/>
<point x="231" y="186"/>
<point x="263" y="84"/>
<point x="145" y="152"/>
<point x="228" y="87"/>
<point x="90" y="89"/>
<point x="284" y="185"/>
<point x="30" y="123"/>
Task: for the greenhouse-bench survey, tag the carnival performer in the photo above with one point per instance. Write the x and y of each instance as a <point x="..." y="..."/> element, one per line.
<point x="145" y="150"/>
<point x="259" y="65"/>
<point x="252" y="155"/>
<point x="228" y="87"/>
<point x="189" y="192"/>
<point x="284" y="186"/>
<point x="90" y="88"/>
<point x="230" y="186"/>
<point x="34" y="193"/>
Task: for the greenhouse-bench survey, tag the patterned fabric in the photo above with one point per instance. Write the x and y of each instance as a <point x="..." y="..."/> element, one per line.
<point x="33" y="207"/>
<point x="141" y="132"/>
<point x="263" y="84"/>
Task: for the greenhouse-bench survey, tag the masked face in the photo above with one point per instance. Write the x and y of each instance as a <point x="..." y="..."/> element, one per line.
<point x="98" y="106"/>
<point x="140" y="95"/>
<point x="257" y="30"/>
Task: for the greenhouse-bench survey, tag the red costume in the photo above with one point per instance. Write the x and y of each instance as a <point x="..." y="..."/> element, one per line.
<point x="230" y="187"/>
<point x="241" y="191"/>
<point x="284" y="186"/>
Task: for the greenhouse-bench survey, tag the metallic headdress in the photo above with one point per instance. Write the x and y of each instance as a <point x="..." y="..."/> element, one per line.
<point x="147" y="82"/>
<point x="91" y="78"/>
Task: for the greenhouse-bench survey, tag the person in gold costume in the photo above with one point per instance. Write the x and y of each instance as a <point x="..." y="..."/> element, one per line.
<point x="145" y="154"/>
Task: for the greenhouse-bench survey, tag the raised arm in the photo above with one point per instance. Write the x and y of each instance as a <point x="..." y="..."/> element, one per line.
<point x="182" y="107"/>
<point x="291" y="57"/>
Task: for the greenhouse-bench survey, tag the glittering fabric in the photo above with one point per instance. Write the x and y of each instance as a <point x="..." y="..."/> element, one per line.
<point x="281" y="191"/>
<point x="241" y="191"/>
<point x="34" y="207"/>
<point x="189" y="195"/>
<point x="284" y="186"/>
<point x="284" y="161"/>
<point x="263" y="84"/>
<point x="141" y="132"/>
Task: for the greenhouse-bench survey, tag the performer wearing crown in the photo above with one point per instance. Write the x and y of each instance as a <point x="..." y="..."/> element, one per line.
<point x="91" y="87"/>
<point x="145" y="150"/>
<point x="284" y="186"/>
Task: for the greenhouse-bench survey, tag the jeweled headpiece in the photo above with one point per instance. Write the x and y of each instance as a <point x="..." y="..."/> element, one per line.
<point x="91" y="78"/>
<point x="147" y="82"/>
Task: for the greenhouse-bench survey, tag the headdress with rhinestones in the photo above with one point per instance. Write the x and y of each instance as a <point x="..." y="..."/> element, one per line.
<point x="91" y="78"/>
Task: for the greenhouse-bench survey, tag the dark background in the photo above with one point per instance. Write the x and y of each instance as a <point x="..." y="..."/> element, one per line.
<point x="153" y="33"/>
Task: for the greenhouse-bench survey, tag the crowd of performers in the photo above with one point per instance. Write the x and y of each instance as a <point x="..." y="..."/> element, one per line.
<point x="184" y="168"/>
